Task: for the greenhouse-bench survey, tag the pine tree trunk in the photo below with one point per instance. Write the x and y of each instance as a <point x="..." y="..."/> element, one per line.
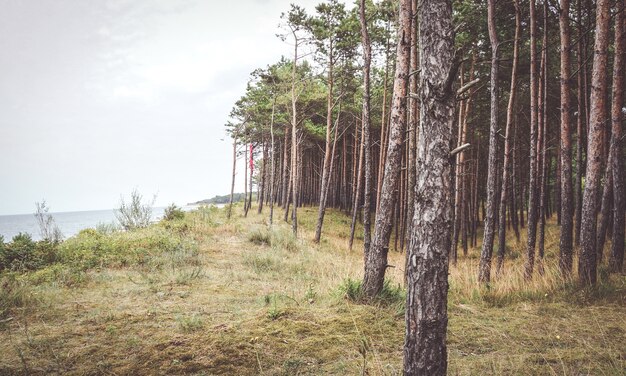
<point x="412" y="126"/>
<point x="367" y="192"/>
<point x="376" y="260"/>
<point x="616" y="258"/>
<point x="567" y="224"/>
<point x="507" y="143"/>
<point x="532" y="186"/>
<point x="484" y="272"/>
<point x="587" y="264"/>
<point x="425" y="351"/>
<point x="327" y="158"/>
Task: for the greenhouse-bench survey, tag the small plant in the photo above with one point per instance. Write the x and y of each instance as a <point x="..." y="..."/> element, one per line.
<point x="274" y="312"/>
<point x="260" y="237"/>
<point x="389" y="295"/>
<point x="135" y="214"/>
<point x="351" y="290"/>
<point x="48" y="228"/>
<point x="190" y="324"/>
<point x="173" y="213"/>
<point x="106" y="228"/>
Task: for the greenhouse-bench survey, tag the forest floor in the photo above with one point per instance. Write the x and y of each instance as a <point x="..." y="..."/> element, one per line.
<point x="247" y="300"/>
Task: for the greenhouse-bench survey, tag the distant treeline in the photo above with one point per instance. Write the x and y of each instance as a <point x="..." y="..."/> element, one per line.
<point x="225" y="199"/>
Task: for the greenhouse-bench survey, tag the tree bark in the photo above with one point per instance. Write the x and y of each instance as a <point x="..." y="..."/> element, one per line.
<point x="510" y="116"/>
<point x="616" y="258"/>
<point x="484" y="272"/>
<point x="532" y="187"/>
<point x="367" y="194"/>
<point x="587" y="264"/>
<point x="425" y="351"/>
<point x="376" y="260"/>
<point x="567" y="219"/>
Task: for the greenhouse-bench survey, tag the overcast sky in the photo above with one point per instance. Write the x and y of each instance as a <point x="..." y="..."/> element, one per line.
<point x="100" y="97"/>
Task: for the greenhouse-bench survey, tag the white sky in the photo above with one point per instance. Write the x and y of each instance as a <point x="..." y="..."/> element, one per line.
<point x="103" y="96"/>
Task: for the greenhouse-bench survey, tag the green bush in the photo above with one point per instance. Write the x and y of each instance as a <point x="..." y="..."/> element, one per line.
<point x="91" y="249"/>
<point x="13" y="294"/>
<point x="23" y="254"/>
<point x="260" y="237"/>
<point x="389" y="295"/>
<point x="173" y="213"/>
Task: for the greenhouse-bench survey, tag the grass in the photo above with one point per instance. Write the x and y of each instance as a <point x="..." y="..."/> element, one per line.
<point x="205" y="295"/>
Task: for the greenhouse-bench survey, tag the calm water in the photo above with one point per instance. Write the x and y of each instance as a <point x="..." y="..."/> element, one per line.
<point x="70" y="223"/>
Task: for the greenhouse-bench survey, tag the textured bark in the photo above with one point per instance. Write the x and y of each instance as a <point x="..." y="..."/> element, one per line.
<point x="484" y="271"/>
<point x="532" y="186"/>
<point x="425" y="351"/>
<point x="567" y="219"/>
<point x="580" y="126"/>
<point x="510" y="116"/>
<point x="606" y="209"/>
<point x="383" y="128"/>
<point x="376" y="259"/>
<point x="616" y="257"/>
<point x="587" y="265"/>
<point x="412" y="126"/>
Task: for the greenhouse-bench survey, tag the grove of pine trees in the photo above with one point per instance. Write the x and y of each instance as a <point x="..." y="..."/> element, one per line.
<point x="434" y="123"/>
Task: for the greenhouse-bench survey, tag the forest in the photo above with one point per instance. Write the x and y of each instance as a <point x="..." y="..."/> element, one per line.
<point x="439" y="128"/>
<point x="431" y="188"/>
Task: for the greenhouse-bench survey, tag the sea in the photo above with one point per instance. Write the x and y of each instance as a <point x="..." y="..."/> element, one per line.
<point x="70" y="223"/>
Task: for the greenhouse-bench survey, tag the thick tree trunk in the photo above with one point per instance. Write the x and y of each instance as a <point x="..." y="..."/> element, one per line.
<point x="616" y="257"/>
<point x="484" y="272"/>
<point x="376" y="260"/>
<point x="510" y="116"/>
<point x="587" y="264"/>
<point x="606" y="208"/>
<point x="425" y="351"/>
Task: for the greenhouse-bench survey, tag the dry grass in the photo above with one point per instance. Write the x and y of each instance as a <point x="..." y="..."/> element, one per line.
<point x="257" y="301"/>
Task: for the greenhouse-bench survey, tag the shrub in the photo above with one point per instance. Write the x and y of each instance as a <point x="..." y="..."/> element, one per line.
<point x="260" y="237"/>
<point x="13" y="294"/>
<point x="136" y="213"/>
<point x="389" y="295"/>
<point x="48" y="228"/>
<point x="173" y="213"/>
<point x="91" y="249"/>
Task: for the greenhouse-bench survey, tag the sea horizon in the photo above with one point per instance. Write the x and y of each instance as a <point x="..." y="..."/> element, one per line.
<point x="70" y="223"/>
